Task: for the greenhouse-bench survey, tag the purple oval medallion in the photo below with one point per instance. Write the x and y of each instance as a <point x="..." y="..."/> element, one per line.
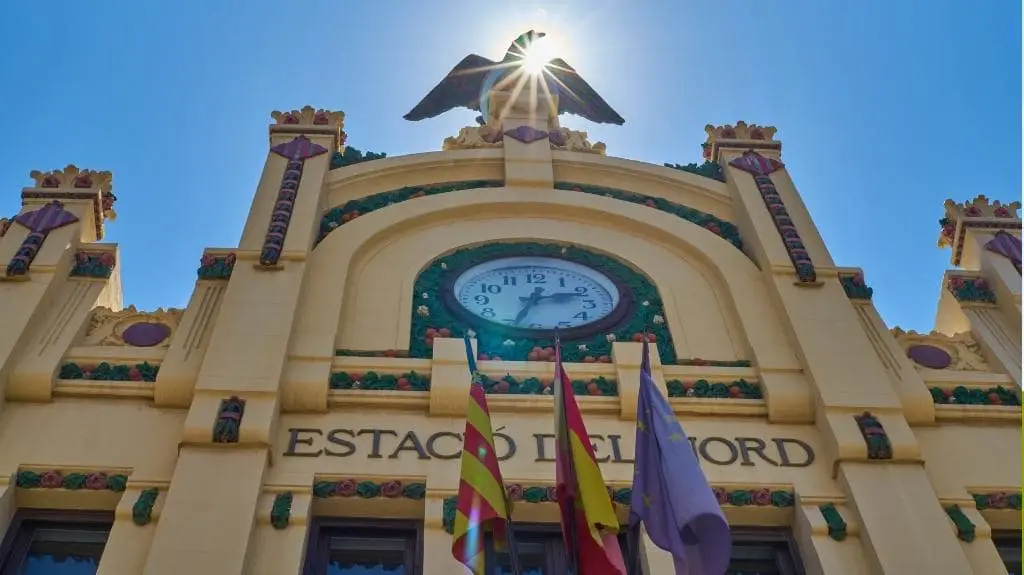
<point x="145" y="334"/>
<point x="929" y="356"/>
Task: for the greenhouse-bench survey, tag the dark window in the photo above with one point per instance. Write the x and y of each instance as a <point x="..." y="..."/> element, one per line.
<point x="542" y="552"/>
<point x="354" y="547"/>
<point x="1008" y="546"/>
<point x="763" y="552"/>
<point x="43" y="542"/>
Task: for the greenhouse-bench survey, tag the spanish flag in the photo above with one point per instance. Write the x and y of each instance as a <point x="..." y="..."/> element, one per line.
<point x="589" y="524"/>
<point x="482" y="505"/>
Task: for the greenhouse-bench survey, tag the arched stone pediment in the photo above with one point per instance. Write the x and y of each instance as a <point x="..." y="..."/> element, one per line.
<point x="358" y="288"/>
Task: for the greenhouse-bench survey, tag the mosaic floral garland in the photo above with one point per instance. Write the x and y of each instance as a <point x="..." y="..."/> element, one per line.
<point x="352" y="156"/>
<point x="281" y="510"/>
<point x="340" y="215"/>
<point x="510" y="385"/>
<point x="999" y="500"/>
<point x="725" y="230"/>
<point x="702" y="388"/>
<point x="371" y="380"/>
<point x="96" y="481"/>
<point x="93" y="265"/>
<point x="142" y="510"/>
<point x="109" y="372"/>
<point x="714" y="362"/>
<point x="854" y="286"/>
<point x="430" y="318"/>
<point x="878" y="444"/>
<point x="696" y="361"/>
<point x="975" y="290"/>
<point x="961" y="395"/>
<point x="369" y="489"/>
<point x="762" y="497"/>
<point x="836" y="523"/>
<point x="213" y="267"/>
<point x="708" y="169"/>
<point x="507" y="385"/>
<point x="965" y="528"/>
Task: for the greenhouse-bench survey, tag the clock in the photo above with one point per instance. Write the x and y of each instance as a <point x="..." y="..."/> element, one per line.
<point x="533" y="295"/>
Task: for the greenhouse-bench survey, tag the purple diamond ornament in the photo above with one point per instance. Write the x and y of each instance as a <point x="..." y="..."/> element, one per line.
<point x="526" y="134"/>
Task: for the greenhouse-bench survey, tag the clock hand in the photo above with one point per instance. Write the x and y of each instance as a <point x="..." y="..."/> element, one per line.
<point x="555" y="296"/>
<point x="528" y="303"/>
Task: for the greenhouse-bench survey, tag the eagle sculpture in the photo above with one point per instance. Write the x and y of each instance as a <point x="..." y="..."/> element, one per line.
<point x="472" y="79"/>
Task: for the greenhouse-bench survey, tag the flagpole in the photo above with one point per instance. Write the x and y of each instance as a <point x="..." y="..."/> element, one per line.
<point x="570" y="529"/>
<point x="513" y="547"/>
<point x="635" y="532"/>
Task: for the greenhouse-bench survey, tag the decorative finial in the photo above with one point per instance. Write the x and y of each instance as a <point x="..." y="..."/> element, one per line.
<point x="309" y="120"/>
<point x="979" y="214"/>
<point x="743" y="136"/>
<point x="72" y="183"/>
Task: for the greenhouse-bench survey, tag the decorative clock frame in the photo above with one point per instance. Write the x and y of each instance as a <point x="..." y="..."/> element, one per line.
<point x="437" y="312"/>
<point x="625" y="307"/>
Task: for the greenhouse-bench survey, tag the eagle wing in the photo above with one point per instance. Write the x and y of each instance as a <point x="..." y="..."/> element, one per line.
<point x="461" y="87"/>
<point x="575" y="96"/>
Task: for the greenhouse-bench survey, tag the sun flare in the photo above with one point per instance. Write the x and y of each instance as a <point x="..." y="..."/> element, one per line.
<point x="537" y="56"/>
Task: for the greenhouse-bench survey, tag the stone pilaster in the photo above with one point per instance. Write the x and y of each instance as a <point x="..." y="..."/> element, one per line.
<point x="890" y="501"/>
<point x="63" y="209"/>
<point x="437" y="543"/>
<point x="129" y="541"/>
<point x="906" y="381"/>
<point x="628" y="356"/>
<point x="449" y="377"/>
<point x="968" y="304"/>
<point x="828" y="549"/>
<point x="875" y="455"/>
<point x="525" y="116"/>
<point x="233" y="415"/>
<point x="985" y="298"/>
<point x="280" y="548"/>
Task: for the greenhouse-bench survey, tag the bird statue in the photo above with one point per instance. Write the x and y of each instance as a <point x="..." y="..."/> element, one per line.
<point x="472" y="79"/>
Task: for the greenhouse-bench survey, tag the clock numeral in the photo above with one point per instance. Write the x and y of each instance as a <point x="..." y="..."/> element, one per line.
<point x="482" y="300"/>
<point x="509" y="280"/>
<point x="490" y="288"/>
<point x="587" y="303"/>
<point x="536" y="279"/>
<point x="487" y="312"/>
<point x="561" y="282"/>
<point x="582" y="315"/>
<point x="582" y="290"/>
<point x="565" y="324"/>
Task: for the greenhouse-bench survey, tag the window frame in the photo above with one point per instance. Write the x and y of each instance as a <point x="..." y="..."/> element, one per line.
<point x="321" y="529"/>
<point x="18" y="539"/>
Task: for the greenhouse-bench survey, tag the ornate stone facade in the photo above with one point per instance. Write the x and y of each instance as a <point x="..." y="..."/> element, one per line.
<point x="317" y="376"/>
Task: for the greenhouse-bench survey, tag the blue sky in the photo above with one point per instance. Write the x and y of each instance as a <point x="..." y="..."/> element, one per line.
<point x="885" y="109"/>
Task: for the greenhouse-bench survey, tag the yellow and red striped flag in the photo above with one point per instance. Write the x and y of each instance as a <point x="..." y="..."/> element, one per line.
<point x="589" y="523"/>
<point x="482" y="504"/>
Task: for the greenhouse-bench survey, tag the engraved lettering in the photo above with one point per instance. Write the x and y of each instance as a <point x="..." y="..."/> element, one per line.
<point x="375" y="451"/>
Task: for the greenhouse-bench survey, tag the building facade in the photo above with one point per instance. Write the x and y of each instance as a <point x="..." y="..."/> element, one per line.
<point x="303" y="414"/>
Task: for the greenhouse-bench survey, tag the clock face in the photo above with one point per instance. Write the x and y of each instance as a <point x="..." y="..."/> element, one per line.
<point x="537" y="293"/>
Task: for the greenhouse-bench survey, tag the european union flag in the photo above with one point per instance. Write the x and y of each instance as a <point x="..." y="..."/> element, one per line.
<point x="671" y="496"/>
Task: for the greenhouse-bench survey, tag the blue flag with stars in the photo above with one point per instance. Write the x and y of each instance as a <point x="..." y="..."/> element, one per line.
<point x="671" y="496"/>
